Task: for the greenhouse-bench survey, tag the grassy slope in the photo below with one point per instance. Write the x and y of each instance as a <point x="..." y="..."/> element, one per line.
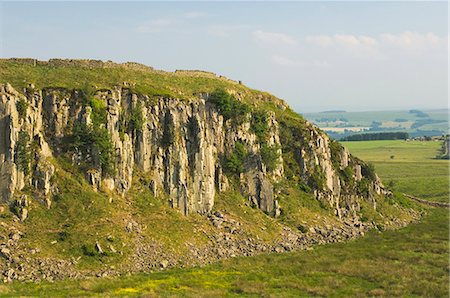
<point x="409" y="262"/>
<point x="147" y="82"/>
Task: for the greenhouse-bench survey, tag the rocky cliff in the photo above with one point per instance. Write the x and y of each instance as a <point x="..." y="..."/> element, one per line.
<point x="143" y="140"/>
<point x="180" y="144"/>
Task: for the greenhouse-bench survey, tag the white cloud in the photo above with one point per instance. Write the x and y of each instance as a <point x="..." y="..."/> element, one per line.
<point x="225" y="30"/>
<point x="321" y="40"/>
<point x="274" y="38"/>
<point x="345" y="40"/>
<point x="406" y="40"/>
<point x="156" y="25"/>
<point x="283" y="61"/>
<point x="195" y="14"/>
<point x="354" y="41"/>
<point x="412" y="40"/>
<point x="361" y="46"/>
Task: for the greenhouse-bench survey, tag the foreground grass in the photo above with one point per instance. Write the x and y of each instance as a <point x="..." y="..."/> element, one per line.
<point x="409" y="262"/>
<point x="412" y="261"/>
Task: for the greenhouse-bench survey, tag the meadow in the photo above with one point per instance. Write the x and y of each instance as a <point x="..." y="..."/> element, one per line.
<point x="412" y="261"/>
<point x="407" y="166"/>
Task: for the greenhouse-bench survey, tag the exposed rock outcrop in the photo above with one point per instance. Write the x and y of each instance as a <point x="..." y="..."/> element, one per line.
<point x="179" y="143"/>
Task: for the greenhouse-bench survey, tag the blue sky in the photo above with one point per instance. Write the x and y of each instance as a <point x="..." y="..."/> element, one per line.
<point x="315" y="55"/>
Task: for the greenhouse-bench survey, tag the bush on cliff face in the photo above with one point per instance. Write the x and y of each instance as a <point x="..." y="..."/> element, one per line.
<point x="336" y="151"/>
<point x="131" y="122"/>
<point x="99" y="113"/>
<point x="363" y="187"/>
<point x="346" y="175"/>
<point x="24" y="154"/>
<point x="270" y="156"/>
<point x="234" y="162"/>
<point x="317" y="180"/>
<point x="22" y="106"/>
<point x="136" y="120"/>
<point x="259" y="125"/>
<point x="229" y="107"/>
<point x="368" y="170"/>
<point x="88" y="140"/>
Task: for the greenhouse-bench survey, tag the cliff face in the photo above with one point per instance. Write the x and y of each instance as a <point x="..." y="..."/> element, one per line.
<point x="182" y="145"/>
<point x="115" y="162"/>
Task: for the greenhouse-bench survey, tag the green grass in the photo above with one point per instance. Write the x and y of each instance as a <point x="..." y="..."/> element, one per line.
<point x="413" y="168"/>
<point x="412" y="261"/>
<point x="78" y="218"/>
<point x="153" y="83"/>
<point x="409" y="262"/>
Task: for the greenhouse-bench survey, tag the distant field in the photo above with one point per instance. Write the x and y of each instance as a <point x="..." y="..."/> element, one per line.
<point x="342" y="129"/>
<point x="416" y="123"/>
<point x="410" y="165"/>
<point x="409" y="262"/>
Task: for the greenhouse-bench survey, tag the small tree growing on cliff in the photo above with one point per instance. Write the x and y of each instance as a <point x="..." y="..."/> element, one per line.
<point x="368" y="171"/>
<point x="23" y="152"/>
<point x="87" y="140"/>
<point x="234" y="162"/>
<point x="136" y="121"/>
<point x="259" y="125"/>
<point x="270" y="156"/>
<point x="22" y="106"/>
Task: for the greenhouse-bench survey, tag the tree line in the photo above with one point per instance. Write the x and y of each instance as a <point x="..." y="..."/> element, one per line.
<point x="377" y="136"/>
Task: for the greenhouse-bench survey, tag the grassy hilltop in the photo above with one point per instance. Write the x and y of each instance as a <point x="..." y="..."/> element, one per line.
<point x="91" y="75"/>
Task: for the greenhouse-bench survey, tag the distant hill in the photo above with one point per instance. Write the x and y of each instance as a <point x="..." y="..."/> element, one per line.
<point x="340" y="124"/>
<point x="333" y="111"/>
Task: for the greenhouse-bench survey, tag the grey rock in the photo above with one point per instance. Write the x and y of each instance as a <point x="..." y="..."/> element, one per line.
<point x="164" y="264"/>
<point x="15" y="236"/>
<point x="98" y="248"/>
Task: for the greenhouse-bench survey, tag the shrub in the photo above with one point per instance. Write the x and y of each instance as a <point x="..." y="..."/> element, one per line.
<point x="234" y="163"/>
<point x="302" y="228"/>
<point x="270" y="156"/>
<point x="95" y="139"/>
<point x="368" y="171"/>
<point x="362" y="187"/>
<point x="24" y="153"/>
<point x="131" y="122"/>
<point x="136" y="120"/>
<point x="101" y="140"/>
<point x="347" y="174"/>
<point x="22" y="106"/>
<point x="259" y="125"/>
<point x="317" y="180"/>
<point x="98" y="112"/>
<point x="304" y="187"/>
<point x="228" y="106"/>
<point x="336" y="151"/>
<point x="88" y="250"/>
